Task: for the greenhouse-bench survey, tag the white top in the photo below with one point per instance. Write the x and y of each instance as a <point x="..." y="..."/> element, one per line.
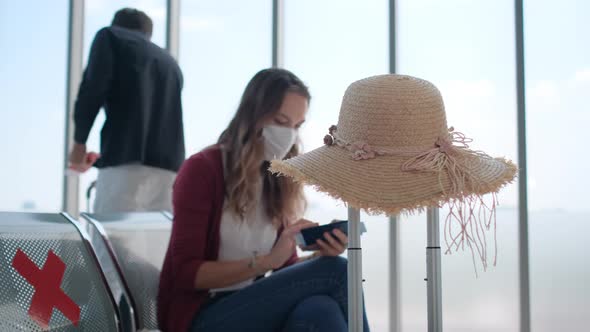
<point x="240" y="238"/>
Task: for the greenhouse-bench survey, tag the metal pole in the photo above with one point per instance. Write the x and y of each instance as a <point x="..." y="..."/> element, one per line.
<point x="394" y="247"/>
<point x="173" y="27"/>
<point x="355" y="278"/>
<point x="523" y="217"/>
<point x="392" y="37"/>
<point x="394" y="272"/>
<point x="433" y="272"/>
<point x="277" y="33"/>
<point x="70" y="201"/>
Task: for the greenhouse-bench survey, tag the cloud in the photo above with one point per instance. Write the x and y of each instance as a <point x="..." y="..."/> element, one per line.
<point x="468" y="89"/>
<point x="543" y="89"/>
<point x="156" y="13"/>
<point x="462" y="97"/>
<point x="155" y="9"/>
<point x="94" y="5"/>
<point x="582" y="75"/>
<point x="193" y="23"/>
<point x="544" y="96"/>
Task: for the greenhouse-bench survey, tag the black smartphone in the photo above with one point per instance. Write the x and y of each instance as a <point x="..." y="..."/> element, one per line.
<point x="309" y="236"/>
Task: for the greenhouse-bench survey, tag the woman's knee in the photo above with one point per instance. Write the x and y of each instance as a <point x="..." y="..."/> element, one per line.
<point x="318" y="312"/>
<point x="319" y="305"/>
<point x="334" y="263"/>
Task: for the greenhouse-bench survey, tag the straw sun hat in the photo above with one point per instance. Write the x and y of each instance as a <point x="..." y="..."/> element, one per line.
<point x="393" y="152"/>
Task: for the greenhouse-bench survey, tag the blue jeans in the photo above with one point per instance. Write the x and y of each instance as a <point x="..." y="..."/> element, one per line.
<point x="309" y="296"/>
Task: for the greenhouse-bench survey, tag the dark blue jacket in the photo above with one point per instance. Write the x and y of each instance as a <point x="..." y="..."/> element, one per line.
<point x="139" y="85"/>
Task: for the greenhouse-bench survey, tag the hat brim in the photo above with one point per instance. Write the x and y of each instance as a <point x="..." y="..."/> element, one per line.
<point x="379" y="185"/>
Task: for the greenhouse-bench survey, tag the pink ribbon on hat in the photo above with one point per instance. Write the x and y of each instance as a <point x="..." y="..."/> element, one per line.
<point x="360" y="150"/>
<point x="446" y="152"/>
<point x="446" y="148"/>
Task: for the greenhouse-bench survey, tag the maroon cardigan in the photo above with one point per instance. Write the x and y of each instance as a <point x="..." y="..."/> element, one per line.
<point x="198" y="197"/>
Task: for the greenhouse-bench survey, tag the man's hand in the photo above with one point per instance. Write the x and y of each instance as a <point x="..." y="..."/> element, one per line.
<point x="80" y="160"/>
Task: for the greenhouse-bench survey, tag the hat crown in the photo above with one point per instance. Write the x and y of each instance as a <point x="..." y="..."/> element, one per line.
<point x="393" y="111"/>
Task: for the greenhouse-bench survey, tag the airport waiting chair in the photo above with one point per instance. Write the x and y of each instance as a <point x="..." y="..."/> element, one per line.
<point x="138" y="243"/>
<point x="50" y="280"/>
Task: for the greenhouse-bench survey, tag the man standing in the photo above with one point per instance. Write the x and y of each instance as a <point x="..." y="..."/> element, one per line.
<point x="142" y="142"/>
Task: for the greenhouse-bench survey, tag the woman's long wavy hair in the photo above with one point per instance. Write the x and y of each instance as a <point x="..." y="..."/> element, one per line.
<point x="243" y="147"/>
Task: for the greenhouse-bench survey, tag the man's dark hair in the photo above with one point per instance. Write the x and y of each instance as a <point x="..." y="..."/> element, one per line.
<point x="133" y="19"/>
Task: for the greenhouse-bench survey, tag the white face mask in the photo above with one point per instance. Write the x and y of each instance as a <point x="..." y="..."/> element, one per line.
<point x="278" y="141"/>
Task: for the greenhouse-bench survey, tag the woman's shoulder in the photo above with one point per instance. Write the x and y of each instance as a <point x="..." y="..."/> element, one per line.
<point x="211" y="153"/>
<point x="205" y="162"/>
<point x="199" y="180"/>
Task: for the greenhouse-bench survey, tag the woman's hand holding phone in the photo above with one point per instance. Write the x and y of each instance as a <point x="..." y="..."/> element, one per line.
<point x="332" y="243"/>
<point x="283" y="249"/>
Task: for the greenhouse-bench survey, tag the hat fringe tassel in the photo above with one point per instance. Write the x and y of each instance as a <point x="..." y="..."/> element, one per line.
<point x="473" y="216"/>
<point x="466" y="225"/>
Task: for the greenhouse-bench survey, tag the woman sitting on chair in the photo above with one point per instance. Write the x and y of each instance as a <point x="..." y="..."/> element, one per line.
<point x="234" y="221"/>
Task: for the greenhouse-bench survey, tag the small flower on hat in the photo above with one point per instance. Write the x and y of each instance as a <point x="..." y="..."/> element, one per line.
<point x="332" y="129"/>
<point x="329" y="139"/>
<point x="444" y="145"/>
<point x="362" y="151"/>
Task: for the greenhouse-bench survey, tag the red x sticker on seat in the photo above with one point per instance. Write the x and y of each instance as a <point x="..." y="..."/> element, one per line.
<point x="48" y="293"/>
